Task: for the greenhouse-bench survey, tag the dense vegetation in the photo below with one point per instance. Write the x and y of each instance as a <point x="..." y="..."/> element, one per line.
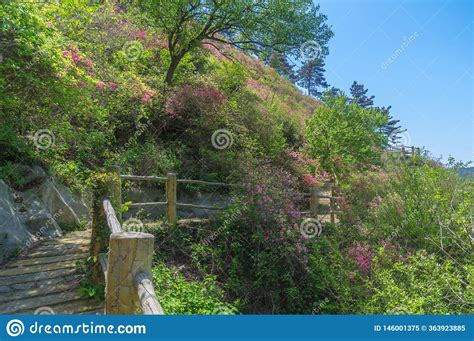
<point x="85" y="86"/>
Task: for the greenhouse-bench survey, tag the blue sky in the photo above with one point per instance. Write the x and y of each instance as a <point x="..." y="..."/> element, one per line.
<point x="414" y="55"/>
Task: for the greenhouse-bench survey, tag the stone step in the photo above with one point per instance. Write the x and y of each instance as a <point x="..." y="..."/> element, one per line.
<point x="31" y="269"/>
<point x="30" y="304"/>
<point x="47" y="259"/>
<point x="37" y="276"/>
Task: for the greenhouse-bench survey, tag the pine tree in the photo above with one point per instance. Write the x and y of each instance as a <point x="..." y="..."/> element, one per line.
<point x="279" y="62"/>
<point x="359" y="94"/>
<point x="391" y="129"/>
<point x="311" y="77"/>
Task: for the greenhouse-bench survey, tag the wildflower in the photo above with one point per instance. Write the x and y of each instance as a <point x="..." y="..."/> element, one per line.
<point x="140" y="35"/>
<point x="363" y="256"/>
<point x="295" y="214"/>
<point x="310" y="179"/>
<point x="100" y="85"/>
<point x="112" y="86"/>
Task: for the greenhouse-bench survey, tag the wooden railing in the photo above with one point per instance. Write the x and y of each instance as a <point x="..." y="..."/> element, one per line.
<point x="123" y="260"/>
<point x="171" y="203"/>
<point x="408" y="152"/>
<point x="315" y="194"/>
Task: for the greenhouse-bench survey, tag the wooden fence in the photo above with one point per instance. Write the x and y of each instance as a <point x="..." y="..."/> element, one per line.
<point x="408" y="152"/>
<point x="316" y="193"/>
<point x="122" y="259"/>
<point x="171" y="181"/>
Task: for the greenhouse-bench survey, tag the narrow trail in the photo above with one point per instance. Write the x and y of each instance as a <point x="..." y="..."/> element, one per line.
<point x="46" y="276"/>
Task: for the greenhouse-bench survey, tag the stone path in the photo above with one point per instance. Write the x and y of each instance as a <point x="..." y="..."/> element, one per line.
<point x="44" y="279"/>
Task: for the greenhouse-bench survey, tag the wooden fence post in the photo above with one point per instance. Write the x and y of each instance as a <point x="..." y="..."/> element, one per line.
<point x="412" y="152"/>
<point x="116" y="189"/>
<point x="171" y="189"/>
<point x="404" y="154"/>
<point x="100" y="232"/>
<point x="313" y="201"/>
<point x="130" y="253"/>
<point x="331" y="205"/>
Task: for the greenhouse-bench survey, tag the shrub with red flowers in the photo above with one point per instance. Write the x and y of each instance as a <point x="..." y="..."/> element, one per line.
<point x="268" y="252"/>
<point x="194" y="100"/>
<point x="362" y="255"/>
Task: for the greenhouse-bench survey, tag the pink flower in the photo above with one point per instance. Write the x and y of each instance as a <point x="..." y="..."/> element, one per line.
<point x="310" y="179"/>
<point x="89" y="63"/>
<point x="363" y="256"/>
<point x="59" y="75"/>
<point x="72" y="47"/>
<point x="81" y="84"/>
<point x="49" y="24"/>
<point x="112" y="86"/>
<point x="376" y="202"/>
<point x="140" y="34"/>
<point x="146" y="98"/>
<point x="100" y="85"/>
<point x="295" y="214"/>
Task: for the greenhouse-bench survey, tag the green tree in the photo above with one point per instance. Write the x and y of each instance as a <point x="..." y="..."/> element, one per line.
<point x="311" y="77"/>
<point x="279" y="62"/>
<point x="342" y="135"/>
<point x="256" y="26"/>
<point x="391" y="129"/>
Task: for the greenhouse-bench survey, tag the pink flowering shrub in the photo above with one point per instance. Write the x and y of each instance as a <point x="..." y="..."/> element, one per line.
<point x="362" y="255"/>
<point x="260" y="89"/>
<point x="265" y="243"/>
<point x="193" y="100"/>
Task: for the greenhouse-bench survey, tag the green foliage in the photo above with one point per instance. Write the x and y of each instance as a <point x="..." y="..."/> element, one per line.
<point x="180" y="296"/>
<point x="344" y="137"/>
<point x="89" y="290"/>
<point x="403" y="238"/>
<point x="421" y="284"/>
<point x="280" y="26"/>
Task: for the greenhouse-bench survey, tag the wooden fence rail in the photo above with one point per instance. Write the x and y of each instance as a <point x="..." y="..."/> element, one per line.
<point x="408" y="152"/>
<point x="125" y="259"/>
<point x="171" y="181"/>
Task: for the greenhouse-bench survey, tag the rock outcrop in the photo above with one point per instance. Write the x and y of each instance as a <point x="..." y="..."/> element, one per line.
<point x="39" y="207"/>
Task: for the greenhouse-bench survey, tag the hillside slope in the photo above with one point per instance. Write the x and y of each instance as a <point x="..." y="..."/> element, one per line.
<point x="83" y="87"/>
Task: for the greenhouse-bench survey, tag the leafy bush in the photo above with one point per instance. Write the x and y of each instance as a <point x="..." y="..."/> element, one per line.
<point x="420" y="284"/>
<point x="180" y="296"/>
<point x="343" y="136"/>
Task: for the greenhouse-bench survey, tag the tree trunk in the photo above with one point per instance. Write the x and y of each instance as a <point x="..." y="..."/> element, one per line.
<point x="172" y="68"/>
